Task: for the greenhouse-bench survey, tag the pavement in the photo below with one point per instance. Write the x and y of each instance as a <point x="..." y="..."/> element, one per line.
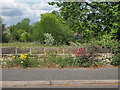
<point x="104" y="77"/>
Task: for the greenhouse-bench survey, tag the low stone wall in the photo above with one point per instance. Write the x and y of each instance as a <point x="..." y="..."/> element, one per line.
<point x="42" y="50"/>
<point x="98" y="52"/>
<point x="39" y="50"/>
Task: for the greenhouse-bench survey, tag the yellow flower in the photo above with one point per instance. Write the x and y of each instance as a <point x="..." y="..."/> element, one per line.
<point x="22" y="56"/>
<point x="21" y="61"/>
<point x="25" y="54"/>
<point x="14" y="56"/>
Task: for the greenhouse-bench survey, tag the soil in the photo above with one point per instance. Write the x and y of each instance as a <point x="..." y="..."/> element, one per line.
<point x="91" y="67"/>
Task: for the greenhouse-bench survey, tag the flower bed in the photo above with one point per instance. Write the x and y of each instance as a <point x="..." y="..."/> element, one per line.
<point x="81" y="58"/>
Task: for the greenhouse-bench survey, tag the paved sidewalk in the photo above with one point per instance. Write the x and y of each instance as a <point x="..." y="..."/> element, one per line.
<point x="61" y="83"/>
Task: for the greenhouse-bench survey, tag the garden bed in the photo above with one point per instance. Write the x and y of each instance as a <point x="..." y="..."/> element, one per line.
<point x="52" y="61"/>
<point x="91" y="56"/>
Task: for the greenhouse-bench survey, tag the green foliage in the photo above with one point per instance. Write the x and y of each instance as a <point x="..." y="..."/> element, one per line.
<point x="22" y="31"/>
<point x="98" y="63"/>
<point x="25" y="37"/>
<point x="111" y="44"/>
<point x="24" y="60"/>
<point x="83" y="62"/>
<point x="92" y="18"/>
<point x="86" y="64"/>
<point x="1" y="20"/>
<point x="66" y="62"/>
<point x="38" y="34"/>
<point x="54" y="61"/>
<point x="50" y="23"/>
<point x="6" y="37"/>
<point x="115" y="60"/>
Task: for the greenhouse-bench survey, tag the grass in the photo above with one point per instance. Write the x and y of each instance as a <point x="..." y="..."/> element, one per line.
<point x="26" y="44"/>
<point x="33" y="44"/>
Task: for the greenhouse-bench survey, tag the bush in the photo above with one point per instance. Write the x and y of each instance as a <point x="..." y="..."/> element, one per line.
<point x="6" y="38"/>
<point x="52" y="24"/>
<point x="98" y="63"/>
<point x="115" y="60"/>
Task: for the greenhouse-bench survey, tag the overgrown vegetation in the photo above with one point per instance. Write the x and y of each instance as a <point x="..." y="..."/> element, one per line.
<point x="98" y="22"/>
<point x="51" y="60"/>
<point x="48" y="61"/>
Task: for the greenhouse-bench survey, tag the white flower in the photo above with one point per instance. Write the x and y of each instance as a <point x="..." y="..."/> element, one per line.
<point x="49" y="40"/>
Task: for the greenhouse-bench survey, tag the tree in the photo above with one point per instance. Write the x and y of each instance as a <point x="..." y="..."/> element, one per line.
<point x="22" y="31"/>
<point x="38" y="34"/>
<point x="25" y="24"/>
<point x="95" y="18"/>
<point x="4" y="37"/>
<point x="51" y="23"/>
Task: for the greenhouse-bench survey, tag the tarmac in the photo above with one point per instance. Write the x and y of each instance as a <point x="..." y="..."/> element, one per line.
<point x="59" y="77"/>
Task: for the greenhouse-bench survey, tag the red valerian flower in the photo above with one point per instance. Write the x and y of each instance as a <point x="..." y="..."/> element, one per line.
<point x="80" y="52"/>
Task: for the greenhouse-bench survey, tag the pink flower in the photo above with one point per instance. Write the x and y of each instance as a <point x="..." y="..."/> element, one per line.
<point x="81" y="48"/>
<point x="78" y="52"/>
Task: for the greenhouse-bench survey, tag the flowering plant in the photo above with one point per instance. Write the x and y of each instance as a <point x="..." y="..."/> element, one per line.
<point x="23" y="59"/>
<point x="80" y="52"/>
<point x="83" y="60"/>
<point x="49" y="40"/>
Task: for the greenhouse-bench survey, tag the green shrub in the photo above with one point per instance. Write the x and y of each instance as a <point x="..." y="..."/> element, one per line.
<point x="85" y="64"/>
<point x="13" y="62"/>
<point x="52" y="24"/>
<point x="97" y="63"/>
<point x="116" y="60"/>
<point x="67" y="61"/>
<point x="25" y="37"/>
<point x="6" y="38"/>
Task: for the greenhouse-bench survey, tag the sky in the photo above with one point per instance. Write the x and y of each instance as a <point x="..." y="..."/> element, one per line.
<point x="14" y="11"/>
